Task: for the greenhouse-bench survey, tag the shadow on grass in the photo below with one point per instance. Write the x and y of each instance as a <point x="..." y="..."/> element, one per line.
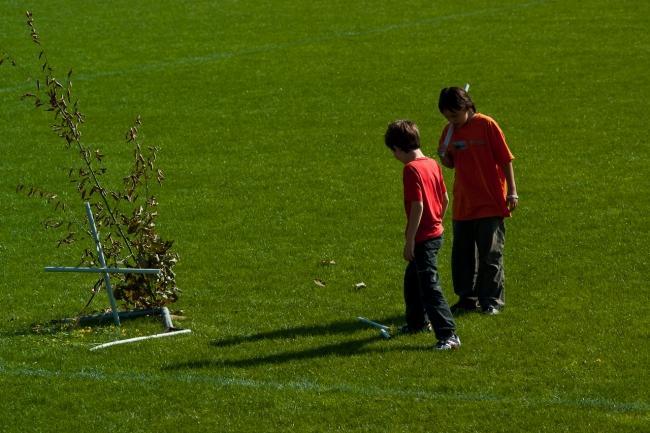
<point x="342" y="349"/>
<point x="346" y="348"/>
<point x="339" y="327"/>
<point x="52" y="327"/>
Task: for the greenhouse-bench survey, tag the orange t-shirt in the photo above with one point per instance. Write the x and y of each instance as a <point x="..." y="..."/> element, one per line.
<point x="478" y="150"/>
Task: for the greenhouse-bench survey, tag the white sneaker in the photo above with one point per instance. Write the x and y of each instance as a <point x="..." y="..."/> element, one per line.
<point x="491" y="311"/>
<point x="450" y="343"/>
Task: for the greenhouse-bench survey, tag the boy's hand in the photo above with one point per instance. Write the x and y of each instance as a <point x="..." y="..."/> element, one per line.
<point x="512" y="200"/>
<point x="409" y="251"/>
<point x="446" y="160"/>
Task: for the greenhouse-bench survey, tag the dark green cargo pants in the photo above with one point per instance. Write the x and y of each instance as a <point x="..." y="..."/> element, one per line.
<point x="477" y="261"/>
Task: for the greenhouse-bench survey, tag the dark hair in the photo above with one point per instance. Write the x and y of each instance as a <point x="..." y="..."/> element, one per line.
<point x="455" y="99"/>
<point x="402" y="134"/>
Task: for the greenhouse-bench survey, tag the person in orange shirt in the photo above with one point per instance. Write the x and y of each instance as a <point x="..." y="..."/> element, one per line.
<point x="485" y="193"/>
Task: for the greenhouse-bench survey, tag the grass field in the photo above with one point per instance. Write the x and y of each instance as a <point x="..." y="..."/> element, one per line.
<point x="270" y="116"/>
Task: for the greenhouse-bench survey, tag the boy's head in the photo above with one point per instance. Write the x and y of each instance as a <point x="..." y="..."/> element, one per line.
<point x="455" y="99"/>
<point x="456" y="105"/>
<point x="403" y="135"/>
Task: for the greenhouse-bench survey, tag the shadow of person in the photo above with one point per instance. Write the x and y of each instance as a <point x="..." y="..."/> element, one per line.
<point x="333" y="328"/>
<point x="345" y="348"/>
<point x="350" y="347"/>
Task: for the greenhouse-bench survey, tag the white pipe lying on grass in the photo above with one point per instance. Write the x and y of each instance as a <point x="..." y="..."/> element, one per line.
<point x="146" y="337"/>
<point x="373" y="324"/>
<point x="383" y="329"/>
<point x="102" y="270"/>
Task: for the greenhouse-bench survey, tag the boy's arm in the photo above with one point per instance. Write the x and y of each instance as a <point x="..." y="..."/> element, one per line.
<point x="512" y="199"/>
<point x="445" y="203"/>
<point x="411" y="229"/>
<point x="446" y="160"/>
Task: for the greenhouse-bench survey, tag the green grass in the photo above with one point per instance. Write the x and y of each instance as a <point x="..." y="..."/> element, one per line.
<point x="270" y="116"/>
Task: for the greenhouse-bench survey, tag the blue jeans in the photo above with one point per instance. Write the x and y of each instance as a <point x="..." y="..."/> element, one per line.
<point x="422" y="291"/>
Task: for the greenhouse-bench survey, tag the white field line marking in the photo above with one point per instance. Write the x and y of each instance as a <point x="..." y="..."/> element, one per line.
<point x="194" y="60"/>
<point x="307" y="386"/>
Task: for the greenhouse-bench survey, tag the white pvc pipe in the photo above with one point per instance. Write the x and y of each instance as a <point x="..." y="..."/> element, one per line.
<point x="136" y="339"/>
<point x="102" y="261"/>
<point x="167" y="318"/>
<point x="450" y="131"/>
<point x="102" y="270"/>
<point x="373" y="324"/>
<point x="445" y="143"/>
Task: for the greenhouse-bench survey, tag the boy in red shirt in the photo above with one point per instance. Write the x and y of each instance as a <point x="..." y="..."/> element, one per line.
<point x="484" y="194"/>
<point x="425" y="202"/>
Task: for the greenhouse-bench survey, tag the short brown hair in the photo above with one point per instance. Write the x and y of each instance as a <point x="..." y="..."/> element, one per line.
<point x="402" y="134"/>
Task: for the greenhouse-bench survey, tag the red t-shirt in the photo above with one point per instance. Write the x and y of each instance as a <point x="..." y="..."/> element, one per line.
<point x="478" y="150"/>
<point x="423" y="182"/>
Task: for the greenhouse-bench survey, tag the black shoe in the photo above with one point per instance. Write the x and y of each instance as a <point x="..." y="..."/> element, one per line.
<point x="406" y="329"/>
<point x="465" y="305"/>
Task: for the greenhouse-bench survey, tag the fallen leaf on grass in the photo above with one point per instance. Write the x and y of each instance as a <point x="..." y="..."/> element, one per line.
<point x="319" y="283"/>
<point x="360" y="285"/>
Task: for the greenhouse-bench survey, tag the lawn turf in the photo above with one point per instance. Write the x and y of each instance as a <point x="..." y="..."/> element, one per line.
<point x="270" y="116"/>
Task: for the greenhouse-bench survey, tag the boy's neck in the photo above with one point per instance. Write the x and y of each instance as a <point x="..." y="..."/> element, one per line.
<point x="412" y="155"/>
<point x="415" y="154"/>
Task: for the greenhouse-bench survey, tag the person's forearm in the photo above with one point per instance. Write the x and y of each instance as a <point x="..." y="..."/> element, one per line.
<point x="512" y="198"/>
<point x="412" y="224"/>
<point x="414" y="220"/>
<point x="509" y="173"/>
<point x="446" y="160"/>
<point x="445" y="204"/>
